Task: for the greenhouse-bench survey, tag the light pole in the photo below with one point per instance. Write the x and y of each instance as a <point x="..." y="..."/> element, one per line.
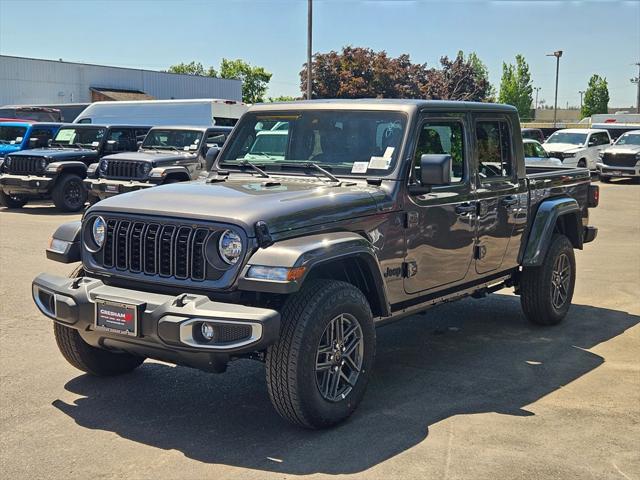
<point x="309" y="38"/>
<point x="557" y="54"/>
<point x="637" y="82"/>
<point x="581" y="92"/>
<point x="537" y="89"/>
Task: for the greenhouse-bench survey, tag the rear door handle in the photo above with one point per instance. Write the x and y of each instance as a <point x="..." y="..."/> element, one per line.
<point x="466" y="208"/>
<point x="509" y="201"/>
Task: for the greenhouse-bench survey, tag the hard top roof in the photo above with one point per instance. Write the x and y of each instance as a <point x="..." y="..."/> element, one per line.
<point x="390" y="104"/>
<point x="101" y="125"/>
<point x="199" y="128"/>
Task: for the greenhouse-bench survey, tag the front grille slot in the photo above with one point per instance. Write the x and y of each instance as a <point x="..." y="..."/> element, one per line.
<point x="620" y="159"/>
<point x="25" y="165"/>
<point x="123" y="169"/>
<point x="154" y="249"/>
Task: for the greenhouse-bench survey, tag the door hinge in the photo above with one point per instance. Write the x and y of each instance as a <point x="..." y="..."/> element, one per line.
<point x="411" y="219"/>
<point x="409" y="269"/>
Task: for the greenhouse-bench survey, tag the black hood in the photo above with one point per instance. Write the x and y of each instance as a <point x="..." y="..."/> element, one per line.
<point x="292" y="204"/>
<point x="59" y="154"/>
<point x="152" y="156"/>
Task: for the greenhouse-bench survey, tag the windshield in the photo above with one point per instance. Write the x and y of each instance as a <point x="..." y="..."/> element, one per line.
<point x="629" y="139"/>
<point x="343" y="142"/>
<point x="166" y="139"/>
<point x="80" y="137"/>
<point x="12" y="135"/>
<point x="568" y="137"/>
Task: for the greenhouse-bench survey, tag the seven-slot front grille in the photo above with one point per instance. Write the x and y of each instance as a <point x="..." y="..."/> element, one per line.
<point x="154" y="249"/>
<point x="125" y="169"/>
<point x="25" y="165"/>
<point x="620" y="159"/>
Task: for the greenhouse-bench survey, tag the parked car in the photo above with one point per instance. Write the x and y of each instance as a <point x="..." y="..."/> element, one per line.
<point x="377" y="211"/>
<point x="577" y="147"/>
<point x="201" y="112"/>
<point x="167" y="155"/>
<point x="16" y="136"/>
<point x="536" y="155"/>
<point x="57" y="172"/>
<point x="622" y="159"/>
<point x="533" y="134"/>
<point x="29" y="112"/>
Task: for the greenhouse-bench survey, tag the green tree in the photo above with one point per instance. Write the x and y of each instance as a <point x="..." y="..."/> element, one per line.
<point x="282" y="98"/>
<point x="516" y="87"/>
<point x="193" y="68"/>
<point x="596" y="97"/>
<point x="482" y="74"/>
<point x="254" y="79"/>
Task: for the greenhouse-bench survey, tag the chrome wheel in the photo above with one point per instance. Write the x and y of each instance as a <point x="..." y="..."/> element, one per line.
<point x="560" y="280"/>
<point x="339" y="357"/>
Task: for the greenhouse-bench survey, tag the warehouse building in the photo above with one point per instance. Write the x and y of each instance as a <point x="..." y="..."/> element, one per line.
<point x="32" y="81"/>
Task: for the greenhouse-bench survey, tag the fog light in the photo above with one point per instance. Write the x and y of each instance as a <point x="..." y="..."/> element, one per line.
<point x="207" y="331"/>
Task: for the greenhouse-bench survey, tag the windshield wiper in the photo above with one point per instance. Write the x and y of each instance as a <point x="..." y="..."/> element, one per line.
<point x="262" y="173"/>
<point x="315" y="166"/>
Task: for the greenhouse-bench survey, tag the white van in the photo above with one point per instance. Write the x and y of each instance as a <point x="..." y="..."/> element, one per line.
<point x="198" y="112"/>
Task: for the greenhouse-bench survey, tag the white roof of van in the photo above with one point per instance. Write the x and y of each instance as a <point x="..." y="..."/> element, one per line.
<point x="581" y="130"/>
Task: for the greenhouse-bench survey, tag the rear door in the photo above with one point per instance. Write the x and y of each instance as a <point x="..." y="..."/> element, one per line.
<point x="440" y="224"/>
<point x="502" y="199"/>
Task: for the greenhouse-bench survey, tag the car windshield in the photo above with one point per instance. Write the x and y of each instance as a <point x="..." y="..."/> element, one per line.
<point x="85" y="137"/>
<point x="629" y="139"/>
<point x="167" y="139"/>
<point x="11" y="135"/>
<point x="343" y="142"/>
<point x="568" y="137"/>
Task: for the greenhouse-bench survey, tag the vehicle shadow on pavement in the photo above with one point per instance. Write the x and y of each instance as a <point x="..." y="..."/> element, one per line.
<point x="459" y="359"/>
<point x="41" y="209"/>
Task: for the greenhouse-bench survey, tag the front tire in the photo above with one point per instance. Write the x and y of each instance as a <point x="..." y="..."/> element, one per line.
<point x="69" y="194"/>
<point x="546" y="291"/>
<point x="319" y="369"/>
<point x="11" y="201"/>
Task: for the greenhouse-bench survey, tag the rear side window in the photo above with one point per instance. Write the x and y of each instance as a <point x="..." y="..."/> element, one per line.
<point x="442" y="138"/>
<point x="123" y="138"/>
<point x="495" y="159"/>
<point x="600" y="138"/>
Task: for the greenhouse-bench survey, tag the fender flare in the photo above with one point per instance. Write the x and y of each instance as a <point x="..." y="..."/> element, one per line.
<point x="173" y="170"/>
<point x="311" y="252"/>
<point x="68" y="249"/>
<point x="67" y="166"/>
<point x="539" y="238"/>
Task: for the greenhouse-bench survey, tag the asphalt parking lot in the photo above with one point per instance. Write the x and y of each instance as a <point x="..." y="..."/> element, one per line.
<point x="470" y="390"/>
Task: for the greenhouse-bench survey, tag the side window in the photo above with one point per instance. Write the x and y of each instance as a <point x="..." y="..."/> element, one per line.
<point x="217" y="139"/>
<point x="602" y="139"/>
<point x="540" y="152"/>
<point x="530" y="149"/>
<point x="122" y="138"/>
<point x="442" y="138"/>
<point x="40" y="137"/>
<point x="494" y="149"/>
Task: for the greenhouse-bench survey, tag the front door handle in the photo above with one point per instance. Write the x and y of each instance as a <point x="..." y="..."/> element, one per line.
<point x="465" y="208"/>
<point x="509" y="201"/>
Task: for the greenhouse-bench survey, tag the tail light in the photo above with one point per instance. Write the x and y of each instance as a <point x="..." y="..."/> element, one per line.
<point x="594" y="196"/>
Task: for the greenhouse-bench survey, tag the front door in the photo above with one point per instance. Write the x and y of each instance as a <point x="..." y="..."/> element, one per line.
<point x="440" y="225"/>
<point x="502" y="200"/>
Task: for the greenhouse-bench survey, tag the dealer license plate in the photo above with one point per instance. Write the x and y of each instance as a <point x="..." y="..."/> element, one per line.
<point x="112" y="188"/>
<point x="116" y="317"/>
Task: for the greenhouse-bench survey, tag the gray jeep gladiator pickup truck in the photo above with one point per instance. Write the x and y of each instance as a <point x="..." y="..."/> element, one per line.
<point x="371" y="210"/>
<point x="167" y="155"/>
<point x="57" y="172"/>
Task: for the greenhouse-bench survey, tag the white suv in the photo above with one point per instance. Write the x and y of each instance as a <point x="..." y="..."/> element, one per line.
<point x="578" y="147"/>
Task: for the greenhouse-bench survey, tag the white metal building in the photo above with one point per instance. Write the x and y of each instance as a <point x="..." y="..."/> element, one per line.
<point x="33" y="81"/>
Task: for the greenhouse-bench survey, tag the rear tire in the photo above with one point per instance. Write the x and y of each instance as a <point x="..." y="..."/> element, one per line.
<point x="582" y="163"/>
<point x="546" y="291"/>
<point x="69" y="194"/>
<point x="92" y="360"/>
<point x="11" y="201"/>
<point x="318" y="370"/>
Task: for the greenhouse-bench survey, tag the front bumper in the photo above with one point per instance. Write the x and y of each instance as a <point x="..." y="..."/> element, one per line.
<point x="103" y="188"/>
<point x="613" y="171"/>
<point x="25" y="184"/>
<point x="166" y="323"/>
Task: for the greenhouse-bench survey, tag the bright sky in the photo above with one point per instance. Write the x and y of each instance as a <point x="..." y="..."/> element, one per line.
<point x="600" y="37"/>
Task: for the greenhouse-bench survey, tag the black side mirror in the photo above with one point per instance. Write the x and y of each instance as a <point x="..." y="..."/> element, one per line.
<point x="110" y="146"/>
<point x="435" y="170"/>
<point x="49" y="142"/>
<point x="211" y="156"/>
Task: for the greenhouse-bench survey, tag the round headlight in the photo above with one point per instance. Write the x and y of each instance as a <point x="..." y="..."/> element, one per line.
<point x="145" y="168"/>
<point x="43" y="164"/>
<point x="230" y="247"/>
<point x="98" y="230"/>
<point x="103" y="166"/>
<point x="8" y="161"/>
